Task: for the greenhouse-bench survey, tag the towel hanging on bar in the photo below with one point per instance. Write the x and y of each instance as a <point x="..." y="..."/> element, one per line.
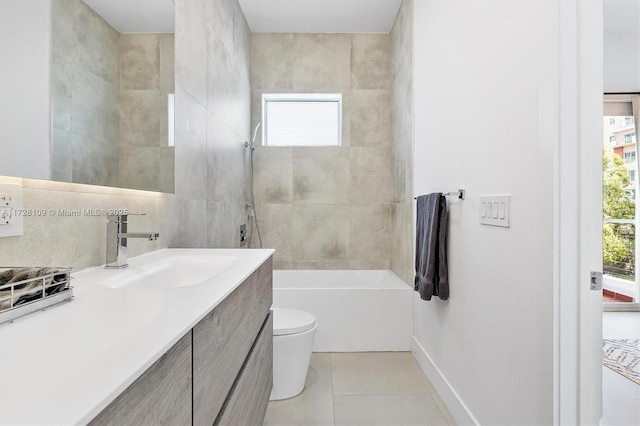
<point x="432" y="277"/>
<point x="460" y="193"/>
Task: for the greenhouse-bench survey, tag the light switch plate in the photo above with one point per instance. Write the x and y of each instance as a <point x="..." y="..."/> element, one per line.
<point x="494" y="210"/>
<point x="12" y="215"/>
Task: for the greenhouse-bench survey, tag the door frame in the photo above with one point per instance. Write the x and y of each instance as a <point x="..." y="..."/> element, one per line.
<point x="577" y="319"/>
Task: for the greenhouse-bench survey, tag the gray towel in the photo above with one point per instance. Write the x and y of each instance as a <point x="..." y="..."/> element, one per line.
<point x="432" y="278"/>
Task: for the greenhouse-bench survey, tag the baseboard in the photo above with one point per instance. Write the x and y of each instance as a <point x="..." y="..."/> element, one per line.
<point x="459" y="411"/>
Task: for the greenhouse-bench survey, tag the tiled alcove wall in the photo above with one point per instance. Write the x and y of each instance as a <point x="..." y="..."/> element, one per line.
<point x="327" y="208"/>
<point x="402" y="143"/>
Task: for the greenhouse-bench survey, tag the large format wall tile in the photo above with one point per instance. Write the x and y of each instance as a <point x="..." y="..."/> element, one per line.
<point x="191" y="48"/>
<point x="226" y="162"/>
<point x="96" y="44"/>
<point x="276" y="228"/>
<point x="322" y="62"/>
<point x="223" y="223"/>
<point x="370" y="117"/>
<point x="139" y="62"/>
<point x="370" y="61"/>
<point x="141" y="114"/>
<point x="370" y="175"/>
<point x="321" y="232"/>
<point x="191" y="149"/>
<point x="214" y="37"/>
<point x="272" y="62"/>
<point x="273" y="175"/>
<point x="402" y="143"/>
<point x="312" y="181"/>
<point x="95" y="160"/>
<point x="190" y="224"/>
<point x="147" y="168"/>
<point x="321" y="175"/>
<point x="369" y="233"/>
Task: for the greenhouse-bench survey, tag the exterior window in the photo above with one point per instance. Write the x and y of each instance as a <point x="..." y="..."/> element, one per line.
<point x="612" y="139"/>
<point x="628" y="138"/>
<point x="302" y="119"/>
<point x="619" y="210"/>
<point x="612" y="121"/>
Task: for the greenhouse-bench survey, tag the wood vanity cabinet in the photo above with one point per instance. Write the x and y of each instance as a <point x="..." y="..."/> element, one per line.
<point x="223" y="339"/>
<point x="218" y="373"/>
<point x="162" y="395"/>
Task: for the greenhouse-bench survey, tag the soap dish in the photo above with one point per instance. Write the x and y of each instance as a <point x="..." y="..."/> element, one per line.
<point x="27" y="290"/>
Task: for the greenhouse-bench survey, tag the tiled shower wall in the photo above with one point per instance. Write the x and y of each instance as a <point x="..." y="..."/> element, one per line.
<point x="212" y="122"/>
<point x="402" y="143"/>
<point x="147" y="77"/>
<point x="329" y="207"/>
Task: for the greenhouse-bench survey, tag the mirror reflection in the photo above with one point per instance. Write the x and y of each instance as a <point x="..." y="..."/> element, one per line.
<point x="112" y="88"/>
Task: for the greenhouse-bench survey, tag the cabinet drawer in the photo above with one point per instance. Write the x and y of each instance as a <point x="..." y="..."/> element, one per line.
<point x="223" y="339"/>
<point x="247" y="402"/>
<point x="162" y="395"/>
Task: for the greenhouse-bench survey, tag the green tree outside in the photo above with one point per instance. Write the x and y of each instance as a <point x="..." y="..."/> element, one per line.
<point x="618" y="239"/>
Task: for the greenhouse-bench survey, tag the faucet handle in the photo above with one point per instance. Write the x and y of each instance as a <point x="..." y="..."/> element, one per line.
<point x="122" y="218"/>
<point x="117" y="218"/>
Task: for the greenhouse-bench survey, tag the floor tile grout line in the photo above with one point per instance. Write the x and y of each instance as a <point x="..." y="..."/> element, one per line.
<point x="333" y="400"/>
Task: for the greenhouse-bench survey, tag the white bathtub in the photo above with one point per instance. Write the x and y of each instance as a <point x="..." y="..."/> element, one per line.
<point x="357" y="311"/>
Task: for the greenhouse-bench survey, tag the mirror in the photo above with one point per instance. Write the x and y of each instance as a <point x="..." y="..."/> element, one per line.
<point x="112" y="85"/>
<point x="112" y="93"/>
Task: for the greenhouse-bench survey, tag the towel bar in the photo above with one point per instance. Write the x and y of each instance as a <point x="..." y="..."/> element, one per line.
<point x="460" y="193"/>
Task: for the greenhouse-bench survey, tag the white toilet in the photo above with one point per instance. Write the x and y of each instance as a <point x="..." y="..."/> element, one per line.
<point x="293" y="334"/>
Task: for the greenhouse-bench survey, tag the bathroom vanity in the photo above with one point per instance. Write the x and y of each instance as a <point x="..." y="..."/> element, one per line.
<point x="166" y="347"/>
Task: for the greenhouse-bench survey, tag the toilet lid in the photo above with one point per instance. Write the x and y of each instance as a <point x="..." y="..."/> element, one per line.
<point x="291" y="321"/>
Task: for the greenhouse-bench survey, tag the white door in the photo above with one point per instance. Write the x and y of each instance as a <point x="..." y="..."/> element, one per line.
<point x="578" y="319"/>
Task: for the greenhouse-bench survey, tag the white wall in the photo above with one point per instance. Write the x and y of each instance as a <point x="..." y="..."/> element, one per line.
<point x="621" y="46"/>
<point x="486" y="92"/>
<point x="25" y="123"/>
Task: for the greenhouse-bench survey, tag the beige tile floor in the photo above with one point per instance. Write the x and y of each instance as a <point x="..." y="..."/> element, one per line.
<point x="363" y="388"/>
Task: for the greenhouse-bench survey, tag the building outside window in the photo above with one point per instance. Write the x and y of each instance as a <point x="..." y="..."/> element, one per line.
<point x="628" y="138"/>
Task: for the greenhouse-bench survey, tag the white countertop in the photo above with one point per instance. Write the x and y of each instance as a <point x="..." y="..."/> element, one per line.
<point x="66" y="364"/>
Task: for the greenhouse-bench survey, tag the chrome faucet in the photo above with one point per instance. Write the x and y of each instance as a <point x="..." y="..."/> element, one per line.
<point x="117" y="240"/>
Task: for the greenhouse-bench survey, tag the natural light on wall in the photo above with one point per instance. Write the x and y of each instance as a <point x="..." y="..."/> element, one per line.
<point x="302" y="119"/>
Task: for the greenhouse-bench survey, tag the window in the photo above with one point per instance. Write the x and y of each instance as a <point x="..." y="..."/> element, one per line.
<point x="629" y="138"/>
<point x="612" y="121"/>
<point x="612" y="139"/>
<point x="302" y="119"/>
<point x="619" y="243"/>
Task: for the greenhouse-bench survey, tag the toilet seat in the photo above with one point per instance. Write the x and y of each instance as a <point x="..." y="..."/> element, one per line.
<point x="291" y="321"/>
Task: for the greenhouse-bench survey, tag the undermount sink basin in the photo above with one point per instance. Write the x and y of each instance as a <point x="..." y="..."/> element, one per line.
<point x="171" y="272"/>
